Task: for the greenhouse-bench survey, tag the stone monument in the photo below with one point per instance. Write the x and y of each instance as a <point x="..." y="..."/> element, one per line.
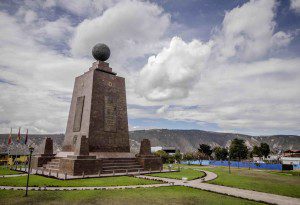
<point x="97" y="137"/>
<point x="45" y="153"/>
<point x="98" y="108"/>
<point x="148" y="160"/>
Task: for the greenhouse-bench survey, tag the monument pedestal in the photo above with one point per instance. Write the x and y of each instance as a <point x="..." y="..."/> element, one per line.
<point x="148" y="160"/>
<point x="40" y="160"/>
<point x="77" y="165"/>
<point x="45" y="154"/>
<point x="80" y="162"/>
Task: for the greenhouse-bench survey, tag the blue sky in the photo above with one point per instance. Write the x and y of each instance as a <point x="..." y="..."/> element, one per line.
<point x="226" y="66"/>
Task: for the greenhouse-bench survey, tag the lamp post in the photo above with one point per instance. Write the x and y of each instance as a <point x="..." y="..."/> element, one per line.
<point x="29" y="163"/>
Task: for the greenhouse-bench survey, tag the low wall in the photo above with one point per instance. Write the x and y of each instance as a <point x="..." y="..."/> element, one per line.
<point x="235" y="164"/>
<point x="296" y="166"/>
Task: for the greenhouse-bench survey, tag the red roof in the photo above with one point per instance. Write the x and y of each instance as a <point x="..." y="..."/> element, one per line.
<point x="292" y="151"/>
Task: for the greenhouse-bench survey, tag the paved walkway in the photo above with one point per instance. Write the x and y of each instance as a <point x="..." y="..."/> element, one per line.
<point x="82" y="188"/>
<point x="241" y="193"/>
<point x="64" y="176"/>
<point x="12" y="175"/>
<point x="198" y="184"/>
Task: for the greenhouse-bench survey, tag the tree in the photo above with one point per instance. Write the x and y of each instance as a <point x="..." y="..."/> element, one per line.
<point x="171" y="159"/>
<point x="177" y="156"/>
<point x="238" y="149"/>
<point x="204" y="148"/>
<point x="265" y="149"/>
<point x="164" y="156"/>
<point x="257" y="151"/>
<point x="221" y="153"/>
<point x="188" y="156"/>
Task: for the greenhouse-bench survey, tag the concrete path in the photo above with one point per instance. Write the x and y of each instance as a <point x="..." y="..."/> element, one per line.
<point x="12" y="175"/>
<point x="64" y="176"/>
<point x="198" y="184"/>
<point x="82" y="188"/>
<point x="241" y="193"/>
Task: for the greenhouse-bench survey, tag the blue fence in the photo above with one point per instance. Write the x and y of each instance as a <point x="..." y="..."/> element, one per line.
<point x="235" y="164"/>
<point x="296" y="166"/>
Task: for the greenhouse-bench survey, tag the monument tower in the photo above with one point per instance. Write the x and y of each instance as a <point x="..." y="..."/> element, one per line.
<point x="97" y="137"/>
<point x="98" y="108"/>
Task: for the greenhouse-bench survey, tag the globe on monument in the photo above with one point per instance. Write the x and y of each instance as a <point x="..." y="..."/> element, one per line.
<point x="101" y="52"/>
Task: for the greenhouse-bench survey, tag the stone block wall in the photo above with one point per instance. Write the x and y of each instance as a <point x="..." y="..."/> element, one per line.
<point x="76" y="167"/>
<point x="150" y="162"/>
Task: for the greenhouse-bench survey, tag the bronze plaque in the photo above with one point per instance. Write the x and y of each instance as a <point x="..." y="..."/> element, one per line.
<point x="110" y="114"/>
<point x="78" y="114"/>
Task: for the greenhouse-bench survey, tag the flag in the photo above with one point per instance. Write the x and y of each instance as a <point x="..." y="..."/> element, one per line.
<point x="26" y="136"/>
<point x="9" y="137"/>
<point x="19" y="135"/>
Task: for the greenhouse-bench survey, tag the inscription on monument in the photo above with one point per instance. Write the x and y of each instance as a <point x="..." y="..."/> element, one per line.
<point x="78" y="114"/>
<point x="110" y="114"/>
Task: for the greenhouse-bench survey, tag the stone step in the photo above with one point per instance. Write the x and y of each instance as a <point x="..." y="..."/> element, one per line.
<point x="53" y="163"/>
<point x="119" y="161"/>
<point x="122" y="167"/>
<point x="52" y="170"/>
<point x="120" y="158"/>
<point x="121" y="170"/>
<point x="55" y="160"/>
<point x="120" y="164"/>
<point x="52" y="166"/>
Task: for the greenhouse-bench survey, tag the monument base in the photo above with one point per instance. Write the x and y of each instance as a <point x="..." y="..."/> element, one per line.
<point x="82" y="162"/>
<point x="79" y="165"/>
<point x="40" y="160"/>
<point x="150" y="162"/>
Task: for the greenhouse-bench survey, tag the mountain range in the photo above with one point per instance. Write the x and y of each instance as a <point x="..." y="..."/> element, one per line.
<point x="184" y="140"/>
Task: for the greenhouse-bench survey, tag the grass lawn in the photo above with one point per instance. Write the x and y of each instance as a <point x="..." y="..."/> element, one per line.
<point x="161" y="195"/>
<point x="190" y="174"/>
<point x="275" y="182"/>
<point x="6" y="171"/>
<point x="39" y="181"/>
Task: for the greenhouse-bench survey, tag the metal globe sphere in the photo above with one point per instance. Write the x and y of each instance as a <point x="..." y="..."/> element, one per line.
<point x="101" y="52"/>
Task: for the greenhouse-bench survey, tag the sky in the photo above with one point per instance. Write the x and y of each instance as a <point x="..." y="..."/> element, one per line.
<point x="224" y="66"/>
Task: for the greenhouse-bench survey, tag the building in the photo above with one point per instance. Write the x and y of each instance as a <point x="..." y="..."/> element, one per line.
<point x="290" y="160"/>
<point x="14" y="154"/>
<point x="291" y="157"/>
<point x="291" y="153"/>
<point x="169" y="150"/>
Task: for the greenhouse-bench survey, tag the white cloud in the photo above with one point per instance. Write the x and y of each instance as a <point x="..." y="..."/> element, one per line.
<point x="183" y="81"/>
<point x="229" y="81"/>
<point x="30" y="16"/>
<point x="261" y="97"/>
<point x="162" y="109"/>
<point x="80" y="7"/>
<point x="281" y="39"/>
<point x="172" y="73"/>
<point x="295" y="5"/>
<point x="130" y="28"/>
<point x="247" y="32"/>
<point x="36" y="82"/>
<point x="55" y="30"/>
